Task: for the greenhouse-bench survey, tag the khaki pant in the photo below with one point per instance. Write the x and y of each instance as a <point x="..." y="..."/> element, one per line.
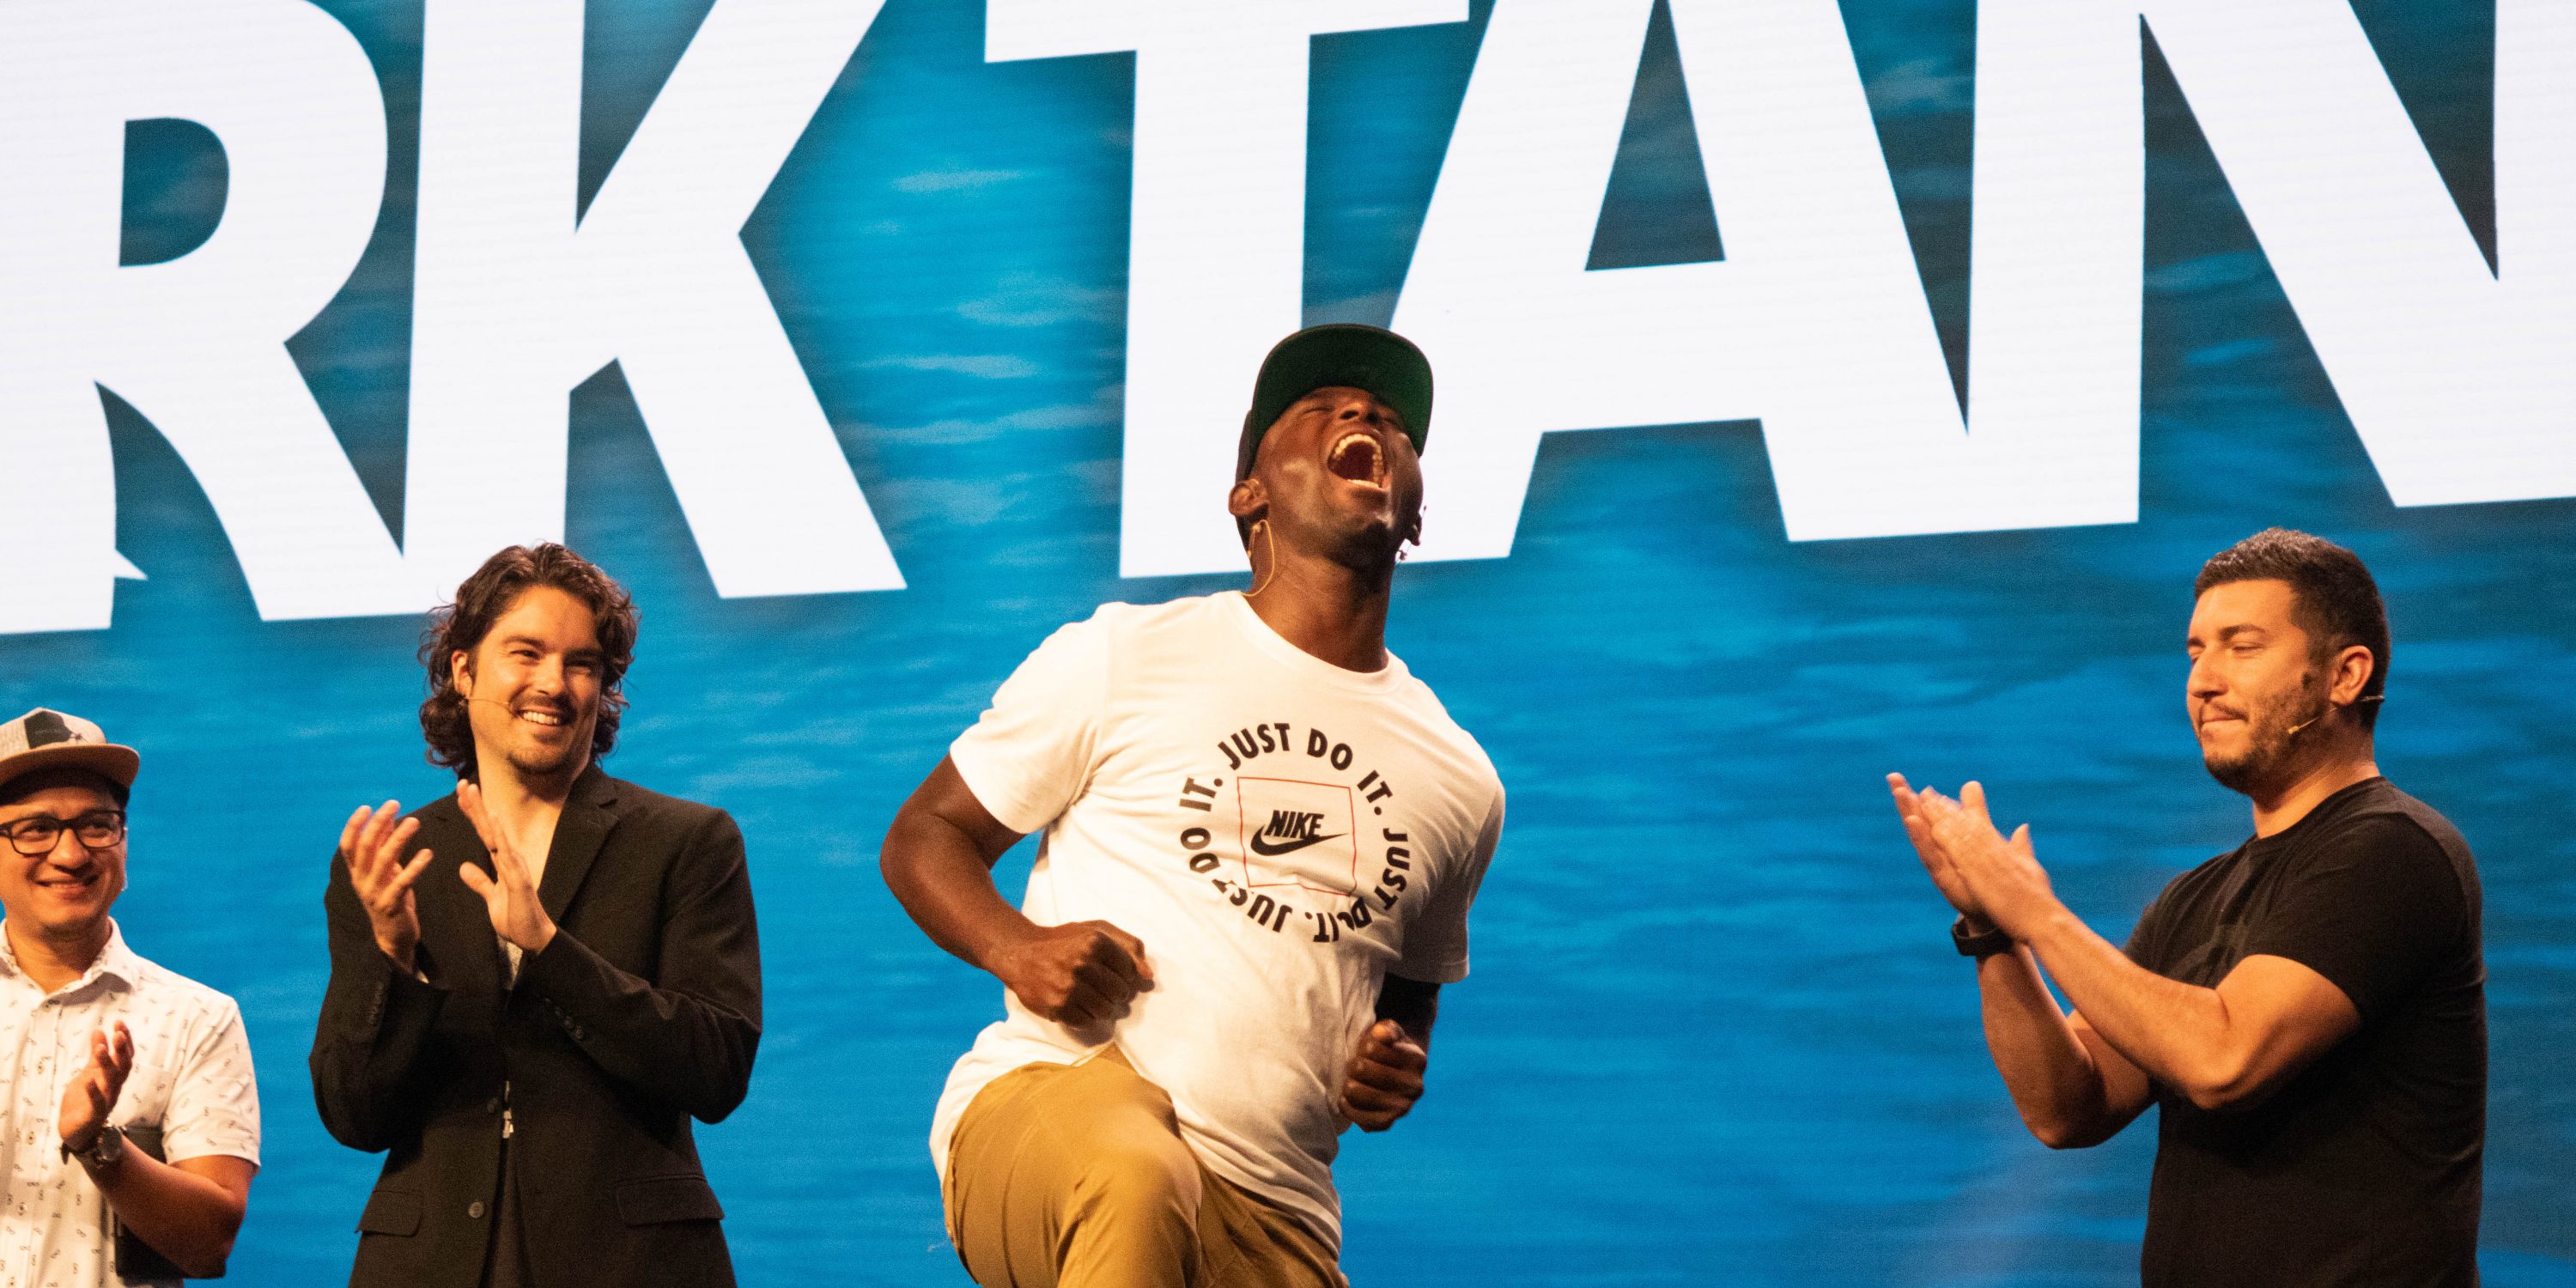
<point x="1076" y="1176"/>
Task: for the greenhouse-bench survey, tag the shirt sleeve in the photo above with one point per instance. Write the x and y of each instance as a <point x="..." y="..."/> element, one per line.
<point x="1028" y="756"/>
<point x="214" y="1100"/>
<point x="1435" y="945"/>
<point x="2146" y="939"/>
<point x="2371" y="910"/>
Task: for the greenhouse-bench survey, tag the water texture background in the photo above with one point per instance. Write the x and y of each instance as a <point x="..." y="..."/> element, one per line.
<point x="1715" y="1032"/>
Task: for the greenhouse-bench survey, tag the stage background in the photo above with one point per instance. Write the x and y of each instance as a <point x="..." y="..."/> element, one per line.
<point x="1714" y="1033"/>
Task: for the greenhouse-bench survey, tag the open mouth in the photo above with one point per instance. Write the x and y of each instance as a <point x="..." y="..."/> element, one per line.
<point x="1358" y="458"/>
<point x="543" y="718"/>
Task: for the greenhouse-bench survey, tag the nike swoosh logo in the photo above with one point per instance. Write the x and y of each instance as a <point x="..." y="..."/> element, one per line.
<point x="1266" y="848"/>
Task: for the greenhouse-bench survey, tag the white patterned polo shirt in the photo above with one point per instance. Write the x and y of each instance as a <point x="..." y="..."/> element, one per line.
<point x="192" y="1077"/>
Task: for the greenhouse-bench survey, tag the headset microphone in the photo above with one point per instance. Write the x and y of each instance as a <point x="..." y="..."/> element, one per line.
<point x="2323" y="710"/>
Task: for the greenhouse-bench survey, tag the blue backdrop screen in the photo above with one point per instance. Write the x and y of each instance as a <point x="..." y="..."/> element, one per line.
<point x="1924" y="350"/>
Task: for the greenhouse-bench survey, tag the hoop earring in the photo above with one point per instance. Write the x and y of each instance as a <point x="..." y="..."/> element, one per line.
<point x="1271" y="544"/>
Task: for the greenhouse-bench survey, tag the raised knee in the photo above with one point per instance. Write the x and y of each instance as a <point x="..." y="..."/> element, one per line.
<point x="1133" y="1173"/>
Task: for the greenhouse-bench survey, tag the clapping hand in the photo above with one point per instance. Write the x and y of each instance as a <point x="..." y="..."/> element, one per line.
<point x="92" y="1095"/>
<point x="1385" y="1077"/>
<point x="1936" y="863"/>
<point x="1998" y="875"/>
<point x="507" y="892"/>
<point x="371" y="847"/>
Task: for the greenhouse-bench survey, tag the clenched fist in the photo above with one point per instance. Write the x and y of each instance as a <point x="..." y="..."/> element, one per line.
<point x="1075" y="974"/>
<point x="1385" y="1077"/>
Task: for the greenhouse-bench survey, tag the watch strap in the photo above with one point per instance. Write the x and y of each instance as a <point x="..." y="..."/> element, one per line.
<point x="102" y="1152"/>
<point x="1973" y="943"/>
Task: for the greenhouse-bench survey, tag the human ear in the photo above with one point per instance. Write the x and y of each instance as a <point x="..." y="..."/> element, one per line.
<point x="2353" y="668"/>
<point x="460" y="672"/>
<point x="1248" y="500"/>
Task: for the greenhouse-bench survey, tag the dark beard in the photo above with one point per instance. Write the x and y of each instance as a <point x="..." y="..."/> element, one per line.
<point x="540" y="765"/>
<point x="2245" y="772"/>
<point x="2270" y="747"/>
<point x="531" y="768"/>
<point x="1371" y="548"/>
<point x="1369" y="552"/>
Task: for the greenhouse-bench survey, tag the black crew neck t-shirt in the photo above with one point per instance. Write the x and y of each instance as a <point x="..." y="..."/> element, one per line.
<point x="2364" y="1167"/>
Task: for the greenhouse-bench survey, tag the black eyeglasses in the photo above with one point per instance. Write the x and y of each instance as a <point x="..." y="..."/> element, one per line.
<point x="37" y="837"/>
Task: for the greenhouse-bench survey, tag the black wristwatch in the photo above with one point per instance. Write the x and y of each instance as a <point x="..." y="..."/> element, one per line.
<point x="1992" y="941"/>
<point x="103" y="1152"/>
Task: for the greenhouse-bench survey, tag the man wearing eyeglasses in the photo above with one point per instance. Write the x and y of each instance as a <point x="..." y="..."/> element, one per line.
<point x="112" y="1064"/>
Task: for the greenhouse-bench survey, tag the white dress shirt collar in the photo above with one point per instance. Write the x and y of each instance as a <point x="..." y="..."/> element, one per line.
<point x="115" y="961"/>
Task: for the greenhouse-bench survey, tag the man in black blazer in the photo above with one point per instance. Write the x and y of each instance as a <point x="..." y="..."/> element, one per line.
<point x="538" y="981"/>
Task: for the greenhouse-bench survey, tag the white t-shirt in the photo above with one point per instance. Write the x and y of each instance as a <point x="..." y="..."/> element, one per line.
<point x="1281" y="834"/>
<point x="191" y="1079"/>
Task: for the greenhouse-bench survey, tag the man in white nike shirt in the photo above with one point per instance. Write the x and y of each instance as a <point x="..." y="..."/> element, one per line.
<point x="1262" y="835"/>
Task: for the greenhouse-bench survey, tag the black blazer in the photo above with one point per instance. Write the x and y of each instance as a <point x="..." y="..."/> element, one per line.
<point x="643" y="1012"/>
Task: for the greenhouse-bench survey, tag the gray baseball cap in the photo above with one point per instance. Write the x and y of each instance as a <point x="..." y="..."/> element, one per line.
<point x="48" y="739"/>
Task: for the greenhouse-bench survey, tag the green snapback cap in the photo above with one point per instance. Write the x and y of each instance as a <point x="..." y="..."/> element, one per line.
<point x="1338" y="353"/>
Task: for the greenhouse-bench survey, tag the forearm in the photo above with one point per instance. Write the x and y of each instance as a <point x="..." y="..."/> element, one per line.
<point x="2052" y="1078"/>
<point x="186" y="1217"/>
<point x="688" y="1041"/>
<point x="946" y="886"/>
<point x="1411" y="1003"/>
<point x="688" y="1034"/>
<point x="2178" y="1034"/>
<point x="370" y="1039"/>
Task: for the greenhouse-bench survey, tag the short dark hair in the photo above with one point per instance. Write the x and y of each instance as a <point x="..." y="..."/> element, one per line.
<point x="33" y="781"/>
<point x="2335" y="600"/>
<point x="460" y="626"/>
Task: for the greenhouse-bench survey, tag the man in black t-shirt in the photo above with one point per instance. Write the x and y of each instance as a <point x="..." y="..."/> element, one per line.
<point x="2308" y="1011"/>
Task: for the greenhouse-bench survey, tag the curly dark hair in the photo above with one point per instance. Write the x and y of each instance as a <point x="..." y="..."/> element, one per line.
<point x="2337" y="600"/>
<point x="485" y="596"/>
